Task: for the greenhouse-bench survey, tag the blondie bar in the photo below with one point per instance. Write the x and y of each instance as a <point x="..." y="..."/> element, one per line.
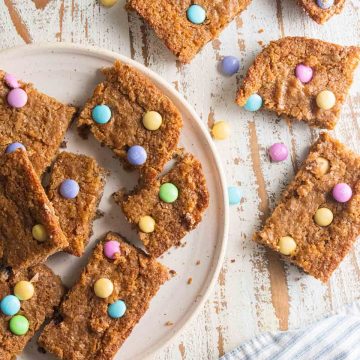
<point x="318" y="217"/>
<point x="75" y="190"/>
<point x="100" y="311"/>
<point x="29" y="230"/>
<point x="47" y="291"/>
<point x="303" y="78"/>
<point x="33" y="120"/>
<point x="165" y="210"/>
<point x="186" y="27"/>
<point x="134" y="118"/>
<point x="321" y="15"/>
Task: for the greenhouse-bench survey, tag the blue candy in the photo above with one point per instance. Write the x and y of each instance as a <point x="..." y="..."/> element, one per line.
<point x="136" y="155"/>
<point x="101" y="114"/>
<point x="117" y="309"/>
<point x="253" y="103"/>
<point x="325" y="4"/>
<point x="69" y="189"/>
<point x="10" y="305"/>
<point x="230" y="65"/>
<point x="14" y="146"/>
<point x="196" y="14"/>
<point x="235" y="195"/>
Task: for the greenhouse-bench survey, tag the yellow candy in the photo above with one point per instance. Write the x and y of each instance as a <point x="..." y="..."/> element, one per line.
<point x="323" y="165"/>
<point x="147" y="224"/>
<point x="24" y="290"/>
<point x="108" y="3"/>
<point x="287" y="245"/>
<point x="39" y="233"/>
<point x="103" y="288"/>
<point x="323" y="217"/>
<point x="325" y="100"/>
<point x="221" y="130"/>
<point x="152" y="120"/>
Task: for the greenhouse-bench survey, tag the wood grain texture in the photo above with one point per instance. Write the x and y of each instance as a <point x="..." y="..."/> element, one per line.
<point x="255" y="291"/>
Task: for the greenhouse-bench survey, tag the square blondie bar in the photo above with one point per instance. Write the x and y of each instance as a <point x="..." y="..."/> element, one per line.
<point x="321" y="16"/>
<point x="76" y="214"/>
<point x="48" y="291"/>
<point x="127" y="96"/>
<point x="171" y="221"/>
<point x="89" y="329"/>
<point x="312" y="226"/>
<point x="26" y="214"/>
<point x="39" y="124"/>
<point x="171" y="22"/>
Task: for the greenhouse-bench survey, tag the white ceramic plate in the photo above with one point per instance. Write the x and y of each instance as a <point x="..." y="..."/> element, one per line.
<point x="70" y="73"/>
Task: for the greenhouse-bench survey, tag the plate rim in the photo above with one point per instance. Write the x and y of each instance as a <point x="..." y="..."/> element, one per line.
<point x="101" y="52"/>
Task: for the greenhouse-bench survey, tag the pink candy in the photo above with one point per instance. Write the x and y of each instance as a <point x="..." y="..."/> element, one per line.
<point x="17" y="98"/>
<point x="304" y="73"/>
<point x="11" y="81"/>
<point x="342" y="192"/>
<point x="278" y="152"/>
<point x="111" y="248"/>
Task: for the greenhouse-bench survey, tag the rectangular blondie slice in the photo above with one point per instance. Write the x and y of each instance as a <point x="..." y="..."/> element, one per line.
<point x="173" y="219"/>
<point x="172" y="23"/>
<point x="39" y="125"/>
<point x="48" y="291"/>
<point x="309" y="226"/>
<point x="122" y="101"/>
<point x="89" y="328"/>
<point x="76" y="214"/>
<point x="29" y="230"/>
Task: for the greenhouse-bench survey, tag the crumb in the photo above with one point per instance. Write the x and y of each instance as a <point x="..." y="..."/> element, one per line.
<point x="63" y="145"/>
<point x="183" y="244"/>
<point x="172" y="273"/>
<point x="260" y="31"/>
<point x="169" y="323"/>
<point x="261" y="43"/>
<point x="198" y="262"/>
<point x="232" y="260"/>
<point x="189" y="280"/>
<point x="99" y="214"/>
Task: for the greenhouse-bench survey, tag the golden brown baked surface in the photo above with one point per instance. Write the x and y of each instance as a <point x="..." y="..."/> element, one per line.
<point x="86" y="332"/>
<point x="130" y="95"/>
<point x="48" y="293"/>
<point x="272" y="76"/>
<point x="169" y="20"/>
<point x="76" y="215"/>
<point x="173" y="220"/>
<point x="321" y="15"/>
<point x="23" y="204"/>
<point x="319" y="249"/>
<point x="40" y="125"/>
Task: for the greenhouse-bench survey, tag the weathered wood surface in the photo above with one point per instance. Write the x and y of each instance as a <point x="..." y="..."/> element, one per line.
<point x="255" y="291"/>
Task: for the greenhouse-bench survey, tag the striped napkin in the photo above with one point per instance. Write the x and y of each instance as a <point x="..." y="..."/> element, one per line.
<point x="336" y="337"/>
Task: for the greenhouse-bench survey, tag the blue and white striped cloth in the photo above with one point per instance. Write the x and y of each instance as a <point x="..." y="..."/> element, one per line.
<point x="336" y="337"/>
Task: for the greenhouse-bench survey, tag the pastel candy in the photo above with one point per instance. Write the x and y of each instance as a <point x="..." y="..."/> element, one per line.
<point x="342" y="192"/>
<point x="14" y="146"/>
<point x="136" y="155"/>
<point x="101" y="114"/>
<point x="196" y="14"/>
<point x="17" y="98"/>
<point x="10" y="305"/>
<point x="253" y="103"/>
<point x="24" y="290"/>
<point x="11" y="81"/>
<point x="235" y="195"/>
<point x="69" y="189"/>
<point x="19" y="325"/>
<point x="117" y="309"/>
<point x="278" y="152"/>
<point x="325" y="4"/>
<point x="111" y="248"/>
<point x="304" y="73"/>
<point x="230" y="65"/>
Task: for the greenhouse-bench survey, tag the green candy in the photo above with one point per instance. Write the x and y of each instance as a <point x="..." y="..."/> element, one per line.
<point x="19" y="325"/>
<point x="168" y="192"/>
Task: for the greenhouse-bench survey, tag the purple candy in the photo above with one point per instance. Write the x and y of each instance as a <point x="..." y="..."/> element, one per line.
<point x="14" y="146"/>
<point x="304" y="73"/>
<point x="69" y="189"/>
<point x="111" y="248"/>
<point x="230" y="65"/>
<point x="342" y="192"/>
<point x="136" y="155"/>
<point x="17" y="98"/>
<point x="11" y="81"/>
<point x="278" y="152"/>
<point x="325" y="4"/>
